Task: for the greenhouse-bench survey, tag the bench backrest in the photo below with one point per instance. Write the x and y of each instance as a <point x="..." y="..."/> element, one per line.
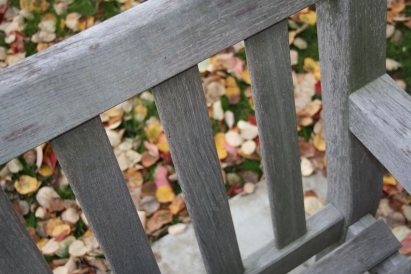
<point x="58" y="94"/>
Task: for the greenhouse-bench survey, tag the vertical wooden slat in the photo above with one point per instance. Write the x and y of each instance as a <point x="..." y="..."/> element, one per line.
<point x="352" y="53"/>
<point x="184" y="116"/>
<point x="87" y="158"/>
<point x="18" y="252"/>
<point x="268" y="56"/>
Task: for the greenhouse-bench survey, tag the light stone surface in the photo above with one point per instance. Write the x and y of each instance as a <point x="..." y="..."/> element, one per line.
<point x="180" y="253"/>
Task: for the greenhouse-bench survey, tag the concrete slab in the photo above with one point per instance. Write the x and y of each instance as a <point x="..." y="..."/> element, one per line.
<point x="180" y="254"/>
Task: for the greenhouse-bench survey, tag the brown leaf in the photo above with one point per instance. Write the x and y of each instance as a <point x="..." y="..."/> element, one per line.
<point x="307" y="150"/>
<point x="148" y="189"/>
<point x="178" y="204"/>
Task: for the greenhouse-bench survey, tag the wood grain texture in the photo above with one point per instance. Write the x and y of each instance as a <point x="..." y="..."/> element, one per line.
<point x="69" y="83"/>
<point x="18" y="252"/>
<point x="268" y="58"/>
<point x="352" y="53"/>
<point x="184" y="116"/>
<point x="88" y="161"/>
<point x="403" y="268"/>
<point x="324" y="228"/>
<point x="367" y="249"/>
<point x="387" y="264"/>
<point x="380" y="118"/>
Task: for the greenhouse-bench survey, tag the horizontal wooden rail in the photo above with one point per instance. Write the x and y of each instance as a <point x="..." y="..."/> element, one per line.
<point x="324" y="229"/>
<point x="67" y="84"/>
<point x="268" y="55"/>
<point x="18" y="252"/>
<point x="402" y="268"/>
<point x="362" y="252"/>
<point x="88" y="160"/>
<point x="384" y="266"/>
<point x="380" y="117"/>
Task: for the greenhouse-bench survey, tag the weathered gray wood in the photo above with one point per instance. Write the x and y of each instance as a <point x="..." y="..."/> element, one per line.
<point x="380" y="115"/>
<point x="184" y="116"/>
<point x="67" y="84"/>
<point x="88" y="161"/>
<point x="385" y="265"/>
<point x="395" y="261"/>
<point x="352" y="53"/>
<point x="268" y="56"/>
<point x="359" y="254"/>
<point x="403" y="268"/>
<point x="324" y="228"/>
<point x="18" y="252"/>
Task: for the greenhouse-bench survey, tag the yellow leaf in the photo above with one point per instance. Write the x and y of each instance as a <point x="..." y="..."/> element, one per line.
<point x="219" y="139"/>
<point x="26" y="185"/>
<point x="163" y="144"/>
<point x="34" y="5"/>
<point x="251" y="102"/>
<point x="245" y="76"/>
<point x="319" y="142"/>
<point x="153" y="132"/>
<point x="310" y="65"/>
<point x="165" y="194"/>
<point x="313" y="67"/>
<point x="389" y="180"/>
<point x="232" y="88"/>
<point x="45" y="171"/>
<point x="140" y="112"/>
<point x="309" y="17"/>
<point x="42" y="243"/>
<point x="113" y="112"/>
<point x="60" y="229"/>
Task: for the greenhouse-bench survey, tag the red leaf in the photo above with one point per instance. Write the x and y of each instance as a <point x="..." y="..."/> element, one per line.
<point x="2" y="12"/>
<point x="252" y="120"/>
<point x="18" y="45"/>
<point x="318" y="88"/>
<point x="406" y="244"/>
<point x="235" y="189"/>
<point x="317" y="115"/>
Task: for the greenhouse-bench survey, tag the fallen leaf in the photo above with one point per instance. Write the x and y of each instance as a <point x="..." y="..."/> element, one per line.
<point x="77" y="248"/>
<point x="307" y="167"/>
<point x="300" y="43"/>
<point x="218" y="112"/>
<point x="248" y="147"/>
<point x="308" y="18"/>
<point x="388" y="179"/>
<point x="165" y="194"/>
<point x="249" y="188"/>
<point x="153" y="132"/>
<point x="162" y="144"/>
<point x="176" y="229"/>
<point x="149" y="204"/>
<point x="14" y="166"/>
<point x="70" y="215"/>
<point x="50" y="248"/>
<point x="219" y="139"/>
<point x="391" y="64"/>
<point x="247" y="130"/>
<point x="148" y="159"/>
<point x="26" y="185"/>
<point x="134" y="177"/>
<point x="148" y="189"/>
<point x="45" y="171"/>
<point x="406" y="245"/>
<point x="312" y="205"/>
<point x="177" y="205"/>
<point x="60" y="229"/>
<point x="319" y="142"/>
<point x="307" y="150"/>
<point x="245" y="76"/>
<point x="233" y="138"/>
<point x="235" y="189"/>
<point x="400" y="232"/>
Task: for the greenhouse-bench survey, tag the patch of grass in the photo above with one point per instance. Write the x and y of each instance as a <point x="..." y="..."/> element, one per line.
<point x="81" y="228"/>
<point x="84" y="7"/>
<point x="401" y="52"/>
<point x="65" y="192"/>
<point x="31" y="220"/>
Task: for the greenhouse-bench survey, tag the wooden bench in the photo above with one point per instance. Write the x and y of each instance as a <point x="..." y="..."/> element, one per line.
<point x="58" y="94"/>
